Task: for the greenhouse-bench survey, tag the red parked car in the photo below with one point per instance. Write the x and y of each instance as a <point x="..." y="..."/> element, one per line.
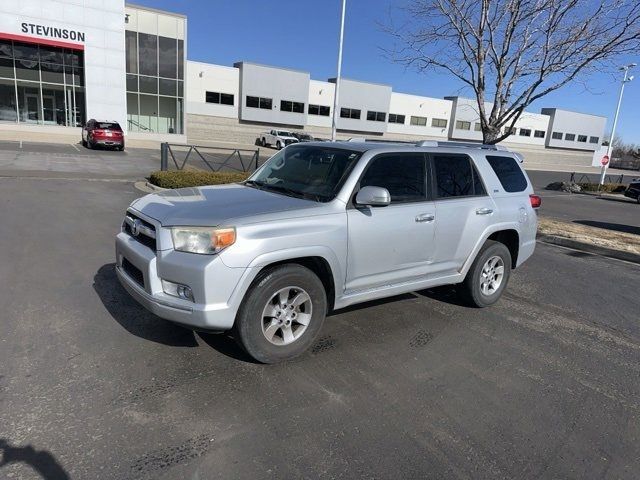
<point x="105" y="133"/>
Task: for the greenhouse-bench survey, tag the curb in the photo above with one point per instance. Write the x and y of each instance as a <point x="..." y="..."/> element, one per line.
<point x="589" y="248"/>
<point x="148" y="187"/>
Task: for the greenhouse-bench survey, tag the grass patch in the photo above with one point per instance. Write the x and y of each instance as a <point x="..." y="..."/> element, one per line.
<point x="189" y="178"/>
<point x="606" y="188"/>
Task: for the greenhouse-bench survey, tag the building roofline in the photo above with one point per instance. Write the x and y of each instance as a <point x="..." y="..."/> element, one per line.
<point x="255" y="64"/>
<point x="571" y="111"/>
<point x="155" y="10"/>
<point x="333" y="80"/>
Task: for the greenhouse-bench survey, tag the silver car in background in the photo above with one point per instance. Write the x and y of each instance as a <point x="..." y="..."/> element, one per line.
<point x="321" y="226"/>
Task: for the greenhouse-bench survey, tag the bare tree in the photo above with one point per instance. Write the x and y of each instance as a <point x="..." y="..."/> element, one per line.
<point x="513" y="52"/>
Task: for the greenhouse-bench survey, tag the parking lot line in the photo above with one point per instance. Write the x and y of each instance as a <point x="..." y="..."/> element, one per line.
<point x="74" y="146"/>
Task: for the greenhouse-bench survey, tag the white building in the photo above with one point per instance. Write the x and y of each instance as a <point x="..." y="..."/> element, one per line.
<point x="65" y="61"/>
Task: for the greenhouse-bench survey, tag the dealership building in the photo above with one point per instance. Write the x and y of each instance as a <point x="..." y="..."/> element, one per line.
<point x="65" y="61"/>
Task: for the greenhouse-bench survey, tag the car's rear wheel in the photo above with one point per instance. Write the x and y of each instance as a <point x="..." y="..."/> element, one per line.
<point x="263" y="142"/>
<point x="488" y="275"/>
<point x="84" y="142"/>
<point x="281" y="314"/>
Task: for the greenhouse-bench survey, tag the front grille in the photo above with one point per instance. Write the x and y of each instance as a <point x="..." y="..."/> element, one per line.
<point x="134" y="272"/>
<point x="289" y="142"/>
<point x="142" y="237"/>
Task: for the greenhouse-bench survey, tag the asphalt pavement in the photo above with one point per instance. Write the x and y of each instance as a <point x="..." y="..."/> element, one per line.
<point x="622" y="215"/>
<point x="542" y="385"/>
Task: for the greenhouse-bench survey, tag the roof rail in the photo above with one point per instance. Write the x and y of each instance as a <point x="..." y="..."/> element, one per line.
<point x="483" y="146"/>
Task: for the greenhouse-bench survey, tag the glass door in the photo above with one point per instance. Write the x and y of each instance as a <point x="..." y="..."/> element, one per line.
<point x="49" y="109"/>
<point x="32" y="102"/>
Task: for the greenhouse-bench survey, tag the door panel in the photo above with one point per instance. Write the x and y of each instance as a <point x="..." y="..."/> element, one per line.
<point x="393" y="244"/>
<point x="389" y="245"/>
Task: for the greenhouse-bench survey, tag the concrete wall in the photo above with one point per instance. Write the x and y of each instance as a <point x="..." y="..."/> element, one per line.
<point x="533" y="122"/>
<point x="202" y="78"/>
<point x="103" y="26"/>
<point x="321" y="93"/>
<point x="277" y="84"/>
<point x="364" y="97"/>
<point x="413" y="105"/>
<point x="564" y="122"/>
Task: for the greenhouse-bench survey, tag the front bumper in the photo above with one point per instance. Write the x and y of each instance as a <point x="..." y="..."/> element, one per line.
<point x="213" y="283"/>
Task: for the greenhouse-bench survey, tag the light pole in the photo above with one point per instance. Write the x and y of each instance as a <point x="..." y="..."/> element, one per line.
<point x="627" y="78"/>
<point x="334" y="119"/>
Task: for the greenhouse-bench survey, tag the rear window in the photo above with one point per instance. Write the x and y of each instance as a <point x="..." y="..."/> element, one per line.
<point x="108" y="125"/>
<point x="508" y="172"/>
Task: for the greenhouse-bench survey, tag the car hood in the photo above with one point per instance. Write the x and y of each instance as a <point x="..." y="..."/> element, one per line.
<point x="285" y="137"/>
<point x="216" y="205"/>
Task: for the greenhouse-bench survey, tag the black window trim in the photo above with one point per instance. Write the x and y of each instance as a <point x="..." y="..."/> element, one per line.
<point x="474" y="171"/>
<point x="428" y="192"/>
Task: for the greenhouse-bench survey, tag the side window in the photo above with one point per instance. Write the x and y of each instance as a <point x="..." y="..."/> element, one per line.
<point x="509" y="173"/>
<point x="456" y="176"/>
<point x="403" y="174"/>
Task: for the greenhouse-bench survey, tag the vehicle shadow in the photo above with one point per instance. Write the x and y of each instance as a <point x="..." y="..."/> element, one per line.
<point x="225" y="344"/>
<point x="616" y="227"/>
<point x="134" y="317"/>
<point x="41" y="461"/>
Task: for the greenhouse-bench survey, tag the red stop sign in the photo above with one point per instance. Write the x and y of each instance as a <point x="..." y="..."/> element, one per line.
<point x="604" y="160"/>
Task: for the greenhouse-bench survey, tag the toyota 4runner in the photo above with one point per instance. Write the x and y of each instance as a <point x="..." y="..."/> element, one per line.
<point x="321" y="226"/>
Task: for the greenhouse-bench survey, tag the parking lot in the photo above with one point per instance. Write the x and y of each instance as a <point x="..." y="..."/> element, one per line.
<point x="542" y="385"/>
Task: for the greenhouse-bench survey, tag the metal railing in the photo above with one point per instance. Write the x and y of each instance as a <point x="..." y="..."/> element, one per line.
<point x="138" y="125"/>
<point x="202" y="157"/>
<point x="577" y="177"/>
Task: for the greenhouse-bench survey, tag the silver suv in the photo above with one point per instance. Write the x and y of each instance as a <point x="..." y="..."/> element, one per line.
<point x="321" y="226"/>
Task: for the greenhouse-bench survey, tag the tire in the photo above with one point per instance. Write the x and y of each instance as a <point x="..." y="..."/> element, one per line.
<point x="638" y="199"/>
<point x="253" y="328"/>
<point x="90" y="145"/>
<point x="472" y="287"/>
<point x="84" y="142"/>
<point x="279" y="145"/>
<point x="263" y="142"/>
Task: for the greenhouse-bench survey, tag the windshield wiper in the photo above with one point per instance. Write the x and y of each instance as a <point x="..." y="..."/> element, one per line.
<point x="285" y="190"/>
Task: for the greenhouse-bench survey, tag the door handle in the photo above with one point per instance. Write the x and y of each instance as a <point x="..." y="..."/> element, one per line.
<point x="484" y="211"/>
<point x="425" y="217"/>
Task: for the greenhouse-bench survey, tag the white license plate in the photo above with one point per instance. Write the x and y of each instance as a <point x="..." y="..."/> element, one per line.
<point x="108" y="134"/>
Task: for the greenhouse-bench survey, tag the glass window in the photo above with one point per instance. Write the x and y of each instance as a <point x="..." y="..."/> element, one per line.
<point x="27" y="70"/>
<point x="132" y="112"/>
<point x="51" y="54"/>
<point x="53" y="104"/>
<point x="570" y="136"/>
<point x="288" y="171"/>
<point x="25" y="51"/>
<point x="556" y="135"/>
<point x="148" y="56"/>
<point x="462" y="125"/>
<point x="29" y="102"/>
<point x="265" y="103"/>
<point x="167" y="87"/>
<point x="148" y="84"/>
<point x="510" y="130"/>
<point x="212" y="97"/>
<point x="403" y="174"/>
<point x="525" y="132"/>
<point x="509" y="173"/>
<point x="180" y="88"/>
<point x="396" y="118"/>
<point x="132" y="83"/>
<point x="290" y="106"/>
<point x="376" y="116"/>
<point x="593" y="139"/>
<point x="8" y="110"/>
<point x="318" y="110"/>
<point x="455" y="176"/>
<point x="439" y="122"/>
<point x="168" y="57"/>
<point x="52" y="72"/>
<point x="582" y="138"/>
<point x="253" y="102"/>
<point x="420" y="121"/>
<point x="181" y="59"/>
<point x="539" y="134"/>
<point x="6" y="68"/>
<point x="350" y="113"/>
<point x="78" y="76"/>
<point x="477" y="127"/>
<point x="148" y="119"/>
<point x="167" y="117"/>
<point x="131" y="47"/>
<point x="226" y="99"/>
<point x="6" y="48"/>
<point x="73" y="58"/>
<point x="79" y="112"/>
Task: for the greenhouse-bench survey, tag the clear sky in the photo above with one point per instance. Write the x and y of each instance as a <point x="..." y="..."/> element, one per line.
<point x="303" y="34"/>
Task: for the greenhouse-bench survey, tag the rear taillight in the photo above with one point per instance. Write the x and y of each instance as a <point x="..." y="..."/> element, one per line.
<point x="536" y="201"/>
<point x="98" y="131"/>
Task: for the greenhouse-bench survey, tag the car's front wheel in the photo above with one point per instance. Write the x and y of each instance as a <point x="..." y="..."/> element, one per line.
<point x="263" y="142"/>
<point x="281" y="314"/>
<point x="279" y="145"/>
<point x="488" y="275"/>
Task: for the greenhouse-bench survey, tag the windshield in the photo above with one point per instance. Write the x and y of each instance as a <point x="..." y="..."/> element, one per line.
<point x="282" y="133"/>
<point x="312" y="172"/>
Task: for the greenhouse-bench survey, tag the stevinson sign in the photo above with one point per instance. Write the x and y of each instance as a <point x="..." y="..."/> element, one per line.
<point x="52" y="32"/>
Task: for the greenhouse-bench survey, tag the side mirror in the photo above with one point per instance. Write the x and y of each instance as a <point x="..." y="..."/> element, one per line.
<point x="373" y="197"/>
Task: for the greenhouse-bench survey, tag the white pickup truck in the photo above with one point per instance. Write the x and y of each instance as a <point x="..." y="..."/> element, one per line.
<point x="277" y="138"/>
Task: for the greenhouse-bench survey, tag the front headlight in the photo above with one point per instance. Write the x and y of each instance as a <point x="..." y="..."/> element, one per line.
<point x="203" y="240"/>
